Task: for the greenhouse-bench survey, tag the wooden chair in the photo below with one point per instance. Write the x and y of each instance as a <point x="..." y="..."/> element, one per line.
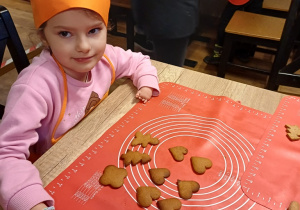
<point x="262" y="30"/>
<point x="277" y="8"/>
<point x="9" y="37"/>
<point x="125" y="7"/>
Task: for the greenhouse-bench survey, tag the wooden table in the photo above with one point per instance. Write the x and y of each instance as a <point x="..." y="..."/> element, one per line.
<point x="120" y="101"/>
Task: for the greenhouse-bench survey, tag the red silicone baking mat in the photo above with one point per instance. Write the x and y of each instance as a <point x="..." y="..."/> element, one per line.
<point x="209" y="126"/>
<point x="272" y="177"/>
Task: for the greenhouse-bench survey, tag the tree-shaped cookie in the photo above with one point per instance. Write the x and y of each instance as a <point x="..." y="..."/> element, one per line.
<point x="144" y="140"/>
<point x="134" y="158"/>
<point x="293" y="132"/>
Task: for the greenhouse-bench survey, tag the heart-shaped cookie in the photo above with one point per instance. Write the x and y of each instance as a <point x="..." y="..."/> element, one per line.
<point x="145" y="195"/>
<point x="200" y="164"/>
<point x="158" y="175"/>
<point x="178" y="152"/>
<point x="187" y="188"/>
<point x="169" y="204"/>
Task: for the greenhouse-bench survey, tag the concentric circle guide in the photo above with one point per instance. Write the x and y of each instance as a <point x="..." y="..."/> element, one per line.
<point x="230" y="150"/>
<point x="213" y="127"/>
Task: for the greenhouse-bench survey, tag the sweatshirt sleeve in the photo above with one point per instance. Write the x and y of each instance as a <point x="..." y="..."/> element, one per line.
<point x="134" y="65"/>
<point x="20" y="184"/>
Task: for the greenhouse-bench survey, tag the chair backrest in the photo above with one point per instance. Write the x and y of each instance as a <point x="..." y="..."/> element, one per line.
<point x="9" y="37"/>
<point x="291" y="32"/>
<point x="291" y="28"/>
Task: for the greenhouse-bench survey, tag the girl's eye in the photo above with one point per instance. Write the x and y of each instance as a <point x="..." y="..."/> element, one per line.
<point x="64" y="34"/>
<point x="94" y="31"/>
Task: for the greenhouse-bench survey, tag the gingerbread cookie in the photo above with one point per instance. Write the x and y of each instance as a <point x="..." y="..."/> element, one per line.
<point x="293" y="132"/>
<point x="294" y="205"/>
<point x="158" y="175"/>
<point x="145" y="195"/>
<point x="144" y="140"/>
<point x="187" y="188"/>
<point x="200" y="164"/>
<point x="178" y="152"/>
<point x="169" y="204"/>
<point x="113" y="176"/>
<point x="134" y="158"/>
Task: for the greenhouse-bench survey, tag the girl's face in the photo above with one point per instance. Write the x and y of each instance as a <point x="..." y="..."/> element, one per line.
<point x="77" y="38"/>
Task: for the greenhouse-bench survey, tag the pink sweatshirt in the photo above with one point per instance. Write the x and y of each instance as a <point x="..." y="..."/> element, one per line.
<point x="32" y="110"/>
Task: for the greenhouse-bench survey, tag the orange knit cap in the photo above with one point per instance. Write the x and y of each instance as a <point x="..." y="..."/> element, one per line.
<point x="43" y="10"/>
<point x="239" y="2"/>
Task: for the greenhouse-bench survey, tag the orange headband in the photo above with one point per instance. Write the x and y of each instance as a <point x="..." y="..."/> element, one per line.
<point x="43" y="10"/>
<point x="238" y="2"/>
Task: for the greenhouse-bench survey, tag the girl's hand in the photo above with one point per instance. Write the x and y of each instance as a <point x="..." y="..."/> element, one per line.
<point x="144" y="94"/>
<point x="39" y="206"/>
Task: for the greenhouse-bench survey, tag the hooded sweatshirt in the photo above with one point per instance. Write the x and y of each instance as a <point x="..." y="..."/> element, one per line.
<point x="32" y="110"/>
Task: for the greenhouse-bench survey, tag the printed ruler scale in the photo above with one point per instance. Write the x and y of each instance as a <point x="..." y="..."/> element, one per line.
<point x="215" y="127"/>
<point x="272" y="176"/>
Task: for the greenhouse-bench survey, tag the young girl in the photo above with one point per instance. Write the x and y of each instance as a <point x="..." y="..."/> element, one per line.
<point x="70" y="77"/>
